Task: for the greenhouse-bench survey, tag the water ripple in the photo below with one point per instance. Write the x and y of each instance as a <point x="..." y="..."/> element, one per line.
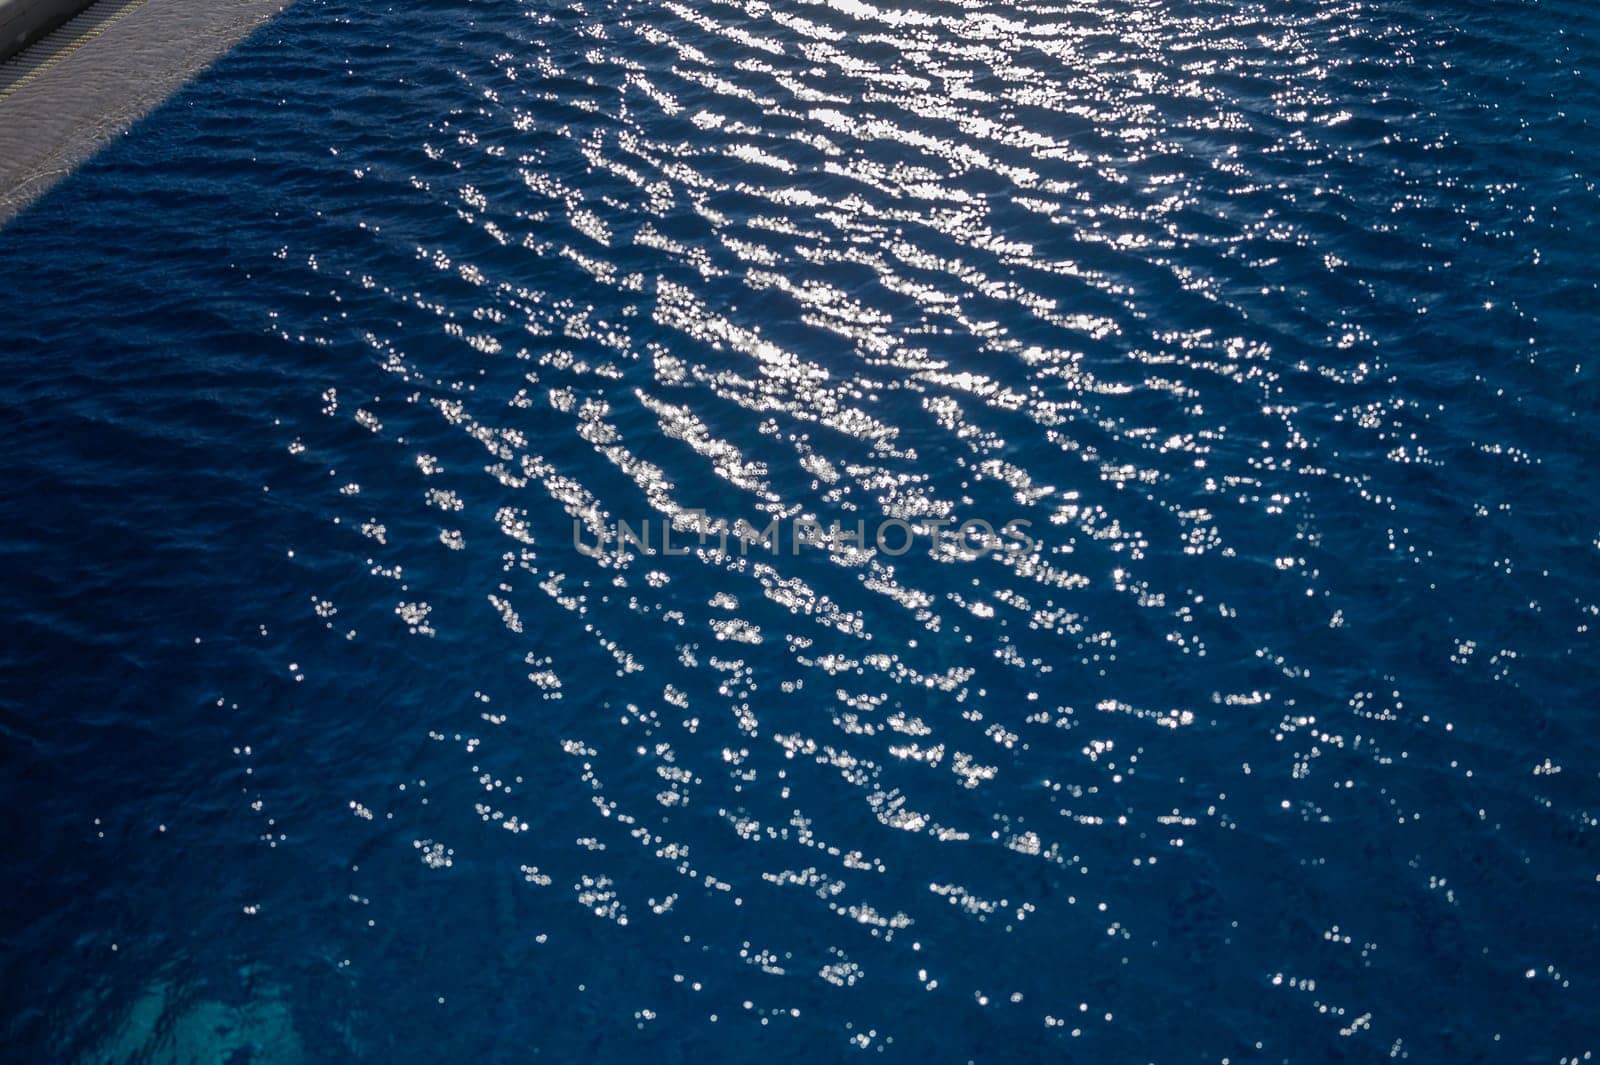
<point x="1269" y="320"/>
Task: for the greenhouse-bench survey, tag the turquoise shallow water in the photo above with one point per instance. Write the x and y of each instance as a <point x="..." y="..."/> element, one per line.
<point x="322" y="740"/>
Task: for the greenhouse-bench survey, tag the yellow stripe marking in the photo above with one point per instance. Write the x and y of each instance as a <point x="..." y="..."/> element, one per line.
<point x="66" y="48"/>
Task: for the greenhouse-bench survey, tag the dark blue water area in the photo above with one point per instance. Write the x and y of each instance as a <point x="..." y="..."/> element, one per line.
<point x="320" y="740"/>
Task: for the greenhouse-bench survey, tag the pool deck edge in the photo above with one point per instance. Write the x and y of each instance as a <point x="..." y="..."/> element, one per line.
<point x="70" y="93"/>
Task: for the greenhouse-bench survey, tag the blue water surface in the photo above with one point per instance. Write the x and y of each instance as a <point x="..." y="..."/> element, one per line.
<point x="321" y="741"/>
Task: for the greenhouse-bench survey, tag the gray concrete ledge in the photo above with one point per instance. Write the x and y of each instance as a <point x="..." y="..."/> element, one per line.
<point x="69" y="94"/>
<point x="23" y="22"/>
